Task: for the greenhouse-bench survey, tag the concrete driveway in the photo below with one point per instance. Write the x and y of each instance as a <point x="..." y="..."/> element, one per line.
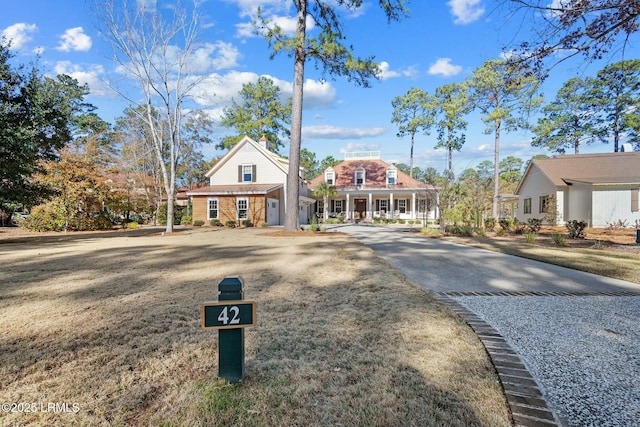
<point x="564" y="342"/>
<point x="443" y="267"/>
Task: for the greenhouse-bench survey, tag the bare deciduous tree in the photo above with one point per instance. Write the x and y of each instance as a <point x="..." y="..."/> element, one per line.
<point x="155" y="51"/>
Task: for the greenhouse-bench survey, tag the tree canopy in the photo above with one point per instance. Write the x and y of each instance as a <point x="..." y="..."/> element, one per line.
<point x="570" y="120"/>
<point x="565" y="29"/>
<point x="413" y="113"/>
<point x="38" y="115"/>
<point x="505" y="94"/>
<point x="261" y="113"/>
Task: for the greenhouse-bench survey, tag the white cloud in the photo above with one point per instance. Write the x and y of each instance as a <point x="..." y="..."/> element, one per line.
<point x="386" y="73"/>
<point x="220" y="89"/>
<point x="334" y="132"/>
<point x="74" y="39"/>
<point x="90" y="76"/>
<point x="485" y="148"/>
<point x="466" y="11"/>
<point x="210" y="56"/>
<point x="317" y="95"/>
<point x="444" y="68"/>
<point x="19" y="34"/>
<point x="286" y="23"/>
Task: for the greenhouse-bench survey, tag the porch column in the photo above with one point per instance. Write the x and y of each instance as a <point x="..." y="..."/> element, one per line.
<point x="391" y="207"/>
<point x="348" y="208"/>
<point x="413" y="205"/>
<point x="370" y="209"/>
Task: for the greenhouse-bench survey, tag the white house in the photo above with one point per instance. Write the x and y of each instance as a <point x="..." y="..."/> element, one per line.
<point x="249" y="183"/>
<point x="599" y="189"/>
<point x="368" y="188"/>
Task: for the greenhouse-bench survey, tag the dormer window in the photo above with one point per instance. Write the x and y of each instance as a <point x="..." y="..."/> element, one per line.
<point x="391" y="176"/>
<point x="246" y="173"/>
<point x="330" y="177"/>
<point x="360" y="176"/>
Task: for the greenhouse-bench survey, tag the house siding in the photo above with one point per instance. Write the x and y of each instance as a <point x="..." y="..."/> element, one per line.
<point x="266" y="170"/>
<point x="227" y="208"/>
<point x="536" y="185"/>
<point x="579" y="204"/>
<point x="611" y="205"/>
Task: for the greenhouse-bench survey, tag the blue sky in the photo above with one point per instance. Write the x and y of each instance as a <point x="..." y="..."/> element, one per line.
<point x="441" y="42"/>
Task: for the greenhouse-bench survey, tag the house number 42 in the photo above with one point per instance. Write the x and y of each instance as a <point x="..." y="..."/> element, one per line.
<point x="235" y="315"/>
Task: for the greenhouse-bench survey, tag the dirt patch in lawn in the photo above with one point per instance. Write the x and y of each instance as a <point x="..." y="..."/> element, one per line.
<point x="102" y="329"/>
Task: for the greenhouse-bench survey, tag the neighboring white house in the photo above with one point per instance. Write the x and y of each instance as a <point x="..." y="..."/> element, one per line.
<point x="600" y="189"/>
<point x="368" y="188"/>
<point x="249" y="183"/>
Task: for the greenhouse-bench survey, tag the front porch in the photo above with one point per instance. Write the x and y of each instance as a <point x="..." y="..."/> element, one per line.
<point x="366" y="207"/>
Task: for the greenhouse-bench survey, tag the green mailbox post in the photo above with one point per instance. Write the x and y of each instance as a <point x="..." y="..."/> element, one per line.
<point x="229" y="315"/>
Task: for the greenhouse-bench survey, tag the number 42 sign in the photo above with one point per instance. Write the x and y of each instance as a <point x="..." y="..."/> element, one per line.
<point x="228" y="315"/>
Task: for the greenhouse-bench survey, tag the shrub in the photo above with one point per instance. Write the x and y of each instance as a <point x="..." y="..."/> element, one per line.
<point x="617" y="225"/>
<point x="576" y="229"/>
<point x="247" y="223"/>
<point x="394" y="221"/>
<point x="376" y="220"/>
<point x="264" y="224"/>
<point x="519" y="227"/>
<point x="490" y="223"/>
<point x="480" y="232"/>
<point x="460" y="230"/>
<point x="198" y="223"/>
<point x="429" y="231"/>
<point x="132" y="225"/>
<point x="178" y="211"/>
<point x="186" y="220"/>
<point x="530" y="237"/>
<point x="230" y="223"/>
<point x="534" y="225"/>
<point x="500" y="232"/>
<point x="506" y="223"/>
<point x="215" y="222"/>
<point x="559" y="239"/>
<point x="401" y="221"/>
<point x="53" y="216"/>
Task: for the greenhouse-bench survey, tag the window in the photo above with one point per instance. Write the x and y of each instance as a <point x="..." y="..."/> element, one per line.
<point x="213" y="209"/>
<point x="527" y="205"/>
<point x="360" y="176"/>
<point x="401" y="205"/>
<point x="330" y="177"/>
<point x="544" y="204"/>
<point x="635" y="205"/>
<point x="422" y="205"/>
<point x="247" y="173"/>
<point x="242" y="207"/>
<point x="320" y="206"/>
<point x="382" y="205"/>
<point x="391" y="176"/>
<point x="337" y="206"/>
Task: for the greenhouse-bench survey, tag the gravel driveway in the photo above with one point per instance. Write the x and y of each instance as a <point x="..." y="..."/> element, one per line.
<point x="577" y="333"/>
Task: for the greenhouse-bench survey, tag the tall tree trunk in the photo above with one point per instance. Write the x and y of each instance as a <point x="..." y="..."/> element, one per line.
<point x="411" y="156"/>
<point x="496" y="171"/>
<point x="292" y="216"/>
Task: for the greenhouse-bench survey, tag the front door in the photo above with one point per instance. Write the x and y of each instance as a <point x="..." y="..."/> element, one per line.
<point x="360" y="208"/>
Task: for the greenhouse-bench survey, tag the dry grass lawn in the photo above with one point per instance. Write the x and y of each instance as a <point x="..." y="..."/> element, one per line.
<point x="110" y="322"/>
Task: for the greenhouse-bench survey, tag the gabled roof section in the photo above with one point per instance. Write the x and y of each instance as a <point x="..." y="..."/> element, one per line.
<point x="279" y="161"/>
<point x="375" y="176"/>
<point x="601" y="168"/>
